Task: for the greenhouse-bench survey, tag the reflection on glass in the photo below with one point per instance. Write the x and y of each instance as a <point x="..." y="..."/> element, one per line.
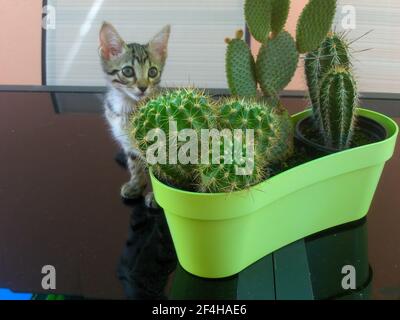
<point x="148" y="258"/>
<point x="330" y="251"/>
<point x="148" y="268"/>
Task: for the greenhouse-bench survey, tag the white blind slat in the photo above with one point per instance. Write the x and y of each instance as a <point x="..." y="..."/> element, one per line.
<point x="196" y="48"/>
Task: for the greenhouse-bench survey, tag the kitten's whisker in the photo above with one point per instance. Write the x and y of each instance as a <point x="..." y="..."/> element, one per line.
<point x="122" y="135"/>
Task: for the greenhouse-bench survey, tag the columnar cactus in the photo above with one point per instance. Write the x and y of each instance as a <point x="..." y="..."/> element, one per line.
<point x="224" y="177"/>
<point x="188" y="109"/>
<point x="279" y="54"/>
<point x="272" y="125"/>
<point x="273" y="142"/>
<point x="258" y="15"/>
<point x="333" y="51"/>
<point x="338" y="103"/>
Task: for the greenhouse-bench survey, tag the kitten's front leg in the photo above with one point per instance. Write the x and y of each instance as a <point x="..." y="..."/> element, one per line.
<point x="135" y="186"/>
<point x="150" y="201"/>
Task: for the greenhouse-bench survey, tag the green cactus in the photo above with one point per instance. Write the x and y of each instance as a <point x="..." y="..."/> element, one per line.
<point x="282" y="147"/>
<point x="190" y="109"/>
<point x="258" y="14"/>
<point x="280" y="12"/>
<point x="224" y="178"/>
<point x="279" y="54"/>
<point x="276" y="63"/>
<point x="240" y="67"/>
<point x="273" y="142"/>
<point x="314" y="24"/>
<point x="338" y="103"/>
<point x="333" y="51"/>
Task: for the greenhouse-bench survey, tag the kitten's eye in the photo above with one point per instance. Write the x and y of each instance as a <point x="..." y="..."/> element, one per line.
<point x="128" y="72"/>
<point x="153" y="72"/>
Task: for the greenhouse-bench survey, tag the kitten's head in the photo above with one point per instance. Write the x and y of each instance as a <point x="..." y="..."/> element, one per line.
<point x="133" y="68"/>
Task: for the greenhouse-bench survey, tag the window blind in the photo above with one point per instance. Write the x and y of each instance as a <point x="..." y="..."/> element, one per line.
<point x="196" y="48"/>
<point x="377" y="68"/>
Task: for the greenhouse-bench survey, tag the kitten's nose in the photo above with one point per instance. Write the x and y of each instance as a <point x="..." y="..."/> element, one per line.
<point x="143" y="89"/>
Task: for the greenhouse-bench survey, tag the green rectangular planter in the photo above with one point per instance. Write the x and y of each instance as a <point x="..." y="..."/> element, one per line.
<point x="218" y="235"/>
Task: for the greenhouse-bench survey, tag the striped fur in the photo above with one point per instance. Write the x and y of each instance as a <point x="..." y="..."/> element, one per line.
<point x="133" y="72"/>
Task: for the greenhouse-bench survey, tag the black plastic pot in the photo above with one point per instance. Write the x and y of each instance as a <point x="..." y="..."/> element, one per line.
<point x="371" y="129"/>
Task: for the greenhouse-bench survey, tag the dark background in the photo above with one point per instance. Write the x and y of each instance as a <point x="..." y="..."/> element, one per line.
<point x="60" y="204"/>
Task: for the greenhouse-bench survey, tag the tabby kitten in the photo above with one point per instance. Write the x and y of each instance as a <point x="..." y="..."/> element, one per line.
<point x="133" y="72"/>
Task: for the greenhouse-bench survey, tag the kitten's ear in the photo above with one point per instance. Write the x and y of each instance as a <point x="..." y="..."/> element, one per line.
<point x="111" y="43"/>
<point x="159" y="44"/>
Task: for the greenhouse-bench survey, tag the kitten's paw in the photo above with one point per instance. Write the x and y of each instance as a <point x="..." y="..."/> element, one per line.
<point x="150" y="201"/>
<point x="131" y="190"/>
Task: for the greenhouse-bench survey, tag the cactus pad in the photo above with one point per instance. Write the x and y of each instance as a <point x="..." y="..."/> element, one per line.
<point x="333" y="51"/>
<point x="276" y="63"/>
<point x="258" y="18"/>
<point x="240" y="69"/>
<point x="280" y="12"/>
<point x="314" y="24"/>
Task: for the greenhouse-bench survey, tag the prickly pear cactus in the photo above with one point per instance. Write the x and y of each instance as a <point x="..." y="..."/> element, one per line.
<point x="333" y="51"/>
<point x="188" y="109"/>
<point x="314" y="23"/>
<point x="273" y="142"/>
<point x="276" y="63"/>
<point x="240" y="67"/>
<point x="338" y="103"/>
<point x="258" y="14"/>
<point x="280" y="12"/>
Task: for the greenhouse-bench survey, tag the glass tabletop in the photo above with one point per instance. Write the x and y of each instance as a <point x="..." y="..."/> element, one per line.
<point x="60" y="177"/>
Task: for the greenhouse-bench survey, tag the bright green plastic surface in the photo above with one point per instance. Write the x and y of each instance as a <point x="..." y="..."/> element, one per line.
<point x="218" y="235"/>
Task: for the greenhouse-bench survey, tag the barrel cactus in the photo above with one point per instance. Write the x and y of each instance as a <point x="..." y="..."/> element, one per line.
<point x="187" y="109"/>
<point x="338" y="103"/>
<point x="243" y="163"/>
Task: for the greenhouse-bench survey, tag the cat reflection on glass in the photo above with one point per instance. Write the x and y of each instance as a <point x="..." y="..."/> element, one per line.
<point x="133" y="72"/>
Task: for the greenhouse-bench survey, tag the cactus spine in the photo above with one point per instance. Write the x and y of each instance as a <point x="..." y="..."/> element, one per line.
<point x="328" y="70"/>
<point x="272" y="143"/>
<point x="333" y="51"/>
<point x="189" y="109"/>
<point x="338" y="103"/>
